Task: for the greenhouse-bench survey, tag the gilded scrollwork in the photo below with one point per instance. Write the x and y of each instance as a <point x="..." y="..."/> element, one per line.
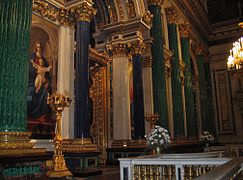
<point x="64" y="16"/>
<point x="45" y="9"/>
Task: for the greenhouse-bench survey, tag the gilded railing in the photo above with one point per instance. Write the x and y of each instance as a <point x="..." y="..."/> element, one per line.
<point x="170" y="166"/>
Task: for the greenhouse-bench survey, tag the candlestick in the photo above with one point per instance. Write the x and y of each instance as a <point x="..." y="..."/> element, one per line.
<point x="58" y="102"/>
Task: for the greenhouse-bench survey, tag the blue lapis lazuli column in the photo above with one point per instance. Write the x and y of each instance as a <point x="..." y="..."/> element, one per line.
<point x="139" y="129"/>
<point x="81" y="84"/>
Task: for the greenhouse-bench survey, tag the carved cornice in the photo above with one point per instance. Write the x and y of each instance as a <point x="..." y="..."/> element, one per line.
<point x="147" y="61"/>
<point x="136" y="47"/>
<point x="155" y="2"/>
<point x="185" y="30"/>
<point x="85" y="12"/>
<point x="147" y="18"/>
<point x="171" y="15"/>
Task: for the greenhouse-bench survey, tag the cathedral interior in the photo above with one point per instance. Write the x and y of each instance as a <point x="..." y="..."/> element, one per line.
<point x="83" y="84"/>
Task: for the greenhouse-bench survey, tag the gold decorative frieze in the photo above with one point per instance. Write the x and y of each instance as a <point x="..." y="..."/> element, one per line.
<point x="184" y="30"/>
<point x="85" y="12"/>
<point x="45" y="9"/>
<point x="171" y="15"/>
<point x="147" y="18"/>
<point x="136" y="47"/>
<point x="155" y="2"/>
<point x="147" y="61"/>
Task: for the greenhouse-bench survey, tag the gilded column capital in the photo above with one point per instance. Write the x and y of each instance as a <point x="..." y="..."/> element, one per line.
<point x="85" y="12"/>
<point x="147" y="61"/>
<point x="147" y="18"/>
<point x="155" y="2"/>
<point x="136" y="47"/>
<point x="171" y="15"/>
<point x="185" y="30"/>
<point x="118" y="49"/>
<point x="199" y="50"/>
<point x="64" y="17"/>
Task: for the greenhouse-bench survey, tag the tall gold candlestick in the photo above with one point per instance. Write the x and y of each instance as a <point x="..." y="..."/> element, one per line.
<point x="58" y="102"/>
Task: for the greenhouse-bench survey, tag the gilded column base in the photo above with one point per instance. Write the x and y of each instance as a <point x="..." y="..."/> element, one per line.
<point x="17" y="143"/>
<point x="78" y="145"/>
<point x="127" y="143"/>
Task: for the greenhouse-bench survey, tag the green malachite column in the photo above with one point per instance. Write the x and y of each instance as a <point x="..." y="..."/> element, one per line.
<point x="176" y="82"/>
<point x="210" y="123"/>
<point x="15" y="20"/>
<point x="203" y="89"/>
<point x="158" y="69"/>
<point x="190" y="114"/>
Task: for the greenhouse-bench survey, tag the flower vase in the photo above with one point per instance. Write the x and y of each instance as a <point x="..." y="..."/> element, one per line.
<point x="158" y="150"/>
<point x="207" y="145"/>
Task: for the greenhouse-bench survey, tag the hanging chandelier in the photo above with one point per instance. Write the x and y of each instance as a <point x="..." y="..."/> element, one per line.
<point x="235" y="59"/>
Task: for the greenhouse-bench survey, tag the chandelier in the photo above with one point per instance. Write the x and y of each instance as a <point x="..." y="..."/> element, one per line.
<point x="235" y="59"/>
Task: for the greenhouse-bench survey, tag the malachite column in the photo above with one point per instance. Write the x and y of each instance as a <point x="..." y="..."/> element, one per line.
<point x="15" y="21"/>
<point x="190" y="114"/>
<point x="82" y="121"/>
<point x="158" y="68"/>
<point x="202" y="85"/>
<point x="210" y="105"/>
<point x="139" y="124"/>
<point x="175" y="76"/>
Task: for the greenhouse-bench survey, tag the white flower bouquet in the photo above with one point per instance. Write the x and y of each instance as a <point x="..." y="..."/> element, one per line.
<point x="207" y="137"/>
<point x="159" y="137"/>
